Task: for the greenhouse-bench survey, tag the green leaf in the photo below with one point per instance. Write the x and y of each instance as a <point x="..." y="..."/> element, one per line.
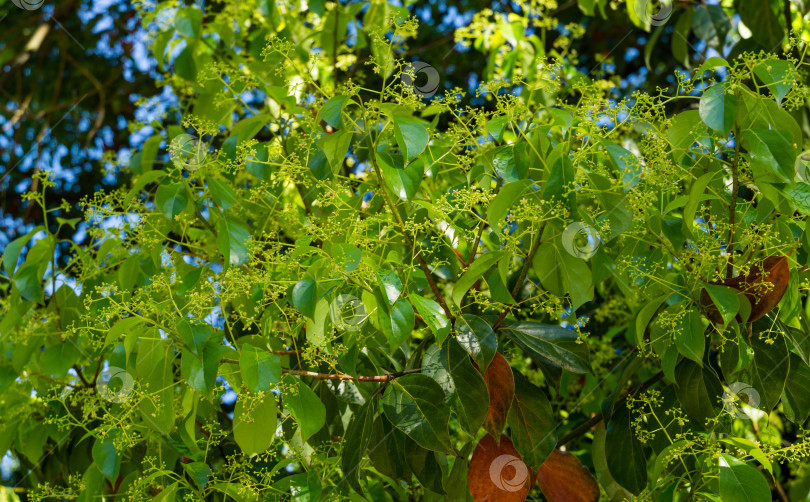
<point x="198" y="472"/>
<point x="769" y="369"/>
<point x="799" y="194"/>
<point x="695" y="198"/>
<point x="28" y="281"/>
<point x="356" y="442"/>
<point x="184" y="65"/>
<point x="740" y="482"/>
<point x="795" y="398"/>
<point x="624" y="453"/>
<point x="232" y="240"/>
<point x="200" y="372"/>
<point x="718" y="109"/>
<point x="562" y="273"/>
<point x="689" y="336"/>
<point x="778" y="75"/>
<point x="188" y="21"/>
<point x="645" y="315"/>
<point x="255" y="428"/>
<point x="154" y="369"/>
<point x="762" y="18"/>
<point x="259" y="369"/>
<point x="412" y="137"/>
<point x="171" y="198"/>
<point x="725" y="299"/>
<point x="477" y="269"/>
<point x="332" y="110"/>
<point x="685" y="131"/>
<point x="222" y="193"/>
<point x="711" y="64"/>
<point x="390" y="284"/>
<point x="477" y="338"/>
<point x="12" y="251"/>
<point x="106" y="457"/>
<point x="551" y="344"/>
<point x="433" y="315"/>
<point x="470" y="390"/>
<point x="402" y="322"/>
<point x="348" y="255"/>
<point x="499" y="207"/>
<point x="771" y="150"/>
<point x="415" y="405"/>
<point x="304" y="405"/>
<point x="335" y="146"/>
<point x="698" y="390"/>
<point x="532" y="422"/>
<point x="507" y="164"/>
<point x="305" y="296"/>
<point x="625" y="162"/>
<point x="403" y="181"/>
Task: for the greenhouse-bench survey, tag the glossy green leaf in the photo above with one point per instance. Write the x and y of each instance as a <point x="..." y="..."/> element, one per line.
<point x="356" y="442"/>
<point x="476" y="270"/>
<point x="414" y="403"/>
<point x="433" y="315"/>
<point x="232" y="240"/>
<point x="698" y="390"/>
<point x="477" y="338"/>
<point x="553" y="344"/>
<point x="626" y="459"/>
<point x="412" y="137"/>
<point x="718" y="108"/>
<point x="740" y="482"/>
<point x="771" y="150"/>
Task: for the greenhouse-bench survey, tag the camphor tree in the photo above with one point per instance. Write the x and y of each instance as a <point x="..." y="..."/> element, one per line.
<point x="332" y="278"/>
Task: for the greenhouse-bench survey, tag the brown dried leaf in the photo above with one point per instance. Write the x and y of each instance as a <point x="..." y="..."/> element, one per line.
<point x="497" y="473"/>
<point x="501" y="387"/>
<point x="563" y="478"/>
<point x="764" y="286"/>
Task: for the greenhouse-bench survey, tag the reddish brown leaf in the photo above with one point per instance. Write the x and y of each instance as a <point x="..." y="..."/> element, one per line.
<point x="501" y="387"/>
<point x="497" y="473"/>
<point x="563" y="478"/>
<point x="764" y="286"/>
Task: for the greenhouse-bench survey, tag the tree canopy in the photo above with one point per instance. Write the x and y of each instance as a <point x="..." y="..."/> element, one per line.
<point x="432" y="251"/>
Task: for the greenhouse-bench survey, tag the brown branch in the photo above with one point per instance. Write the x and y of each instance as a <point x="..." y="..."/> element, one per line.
<point x="598" y="417"/>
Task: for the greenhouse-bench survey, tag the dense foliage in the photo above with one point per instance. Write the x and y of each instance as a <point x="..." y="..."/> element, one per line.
<point x="329" y="276"/>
